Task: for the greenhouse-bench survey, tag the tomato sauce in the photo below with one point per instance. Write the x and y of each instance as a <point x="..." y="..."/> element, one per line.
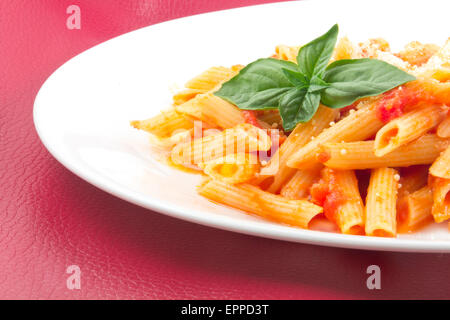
<point x="326" y="193"/>
<point x="250" y="118"/>
<point x="350" y="107"/>
<point x="323" y="157"/>
<point x="394" y="102"/>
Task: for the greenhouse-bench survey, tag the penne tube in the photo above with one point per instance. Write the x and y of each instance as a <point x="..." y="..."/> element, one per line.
<point x="185" y="95"/>
<point x="338" y="193"/>
<point x="298" y="186"/>
<point x="350" y="214"/>
<point x="424" y="90"/>
<point x="253" y="200"/>
<point x="414" y="210"/>
<point x="361" y="155"/>
<point x="169" y="142"/>
<point x="211" y="78"/>
<point x="407" y="128"/>
<point x="381" y="201"/>
<point x="441" y="199"/>
<point x="441" y="167"/>
<point x="242" y="138"/>
<point x="358" y="125"/>
<point x="164" y="124"/>
<point x="433" y="90"/>
<point x="443" y="130"/>
<point x="300" y="136"/>
<point x="213" y="110"/>
<point x="233" y="168"/>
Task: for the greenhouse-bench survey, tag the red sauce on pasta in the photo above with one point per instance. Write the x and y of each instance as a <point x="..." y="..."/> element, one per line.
<point x="350" y="107"/>
<point x="393" y="103"/>
<point x="323" y="157"/>
<point x="326" y="193"/>
<point x="319" y="192"/>
<point x="250" y="118"/>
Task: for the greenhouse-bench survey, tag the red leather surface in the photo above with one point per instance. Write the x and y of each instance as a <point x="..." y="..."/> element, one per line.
<point x="50" y="219"/>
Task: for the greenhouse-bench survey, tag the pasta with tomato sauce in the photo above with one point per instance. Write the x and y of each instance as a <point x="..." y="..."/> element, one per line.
<point x="377" y="166"/>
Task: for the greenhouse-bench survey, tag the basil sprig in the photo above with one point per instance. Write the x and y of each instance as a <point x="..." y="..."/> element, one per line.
<point x="298" y="89"/>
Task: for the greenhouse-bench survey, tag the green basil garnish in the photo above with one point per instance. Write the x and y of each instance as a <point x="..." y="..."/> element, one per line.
<point x="313" y="57"/>
<point x="298" y="89"/>
<point x="351" y="80"/>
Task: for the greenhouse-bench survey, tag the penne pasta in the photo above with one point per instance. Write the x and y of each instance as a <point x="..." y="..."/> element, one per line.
<point x="350" y="214"/>
<point x="243" y="138"/>
<point x="441" y="199"/>
<point x="213" y="110"/>
<point x="298" y="186"/>
<point x="169" y="142"/>
<point x="338" y="193"/>
<point x="361" y="155"/>
<point x="441" y="167"/>
<point x="381" y="203"/>
<point x="252" y="199"/>
<point x="300" y="136"/>
<point x="164" y="124"/>
<point x="210" y="78"/>
<point x="430" y="90"/>
<point x="443" y="130"/>
<point x="407" y="128"/>
<point x="232" y="168"/>
<point x="414" y="210"/>
<point x="383" y="135"/>
<point x="359" y="125"/>
<point x="185" y="95"/>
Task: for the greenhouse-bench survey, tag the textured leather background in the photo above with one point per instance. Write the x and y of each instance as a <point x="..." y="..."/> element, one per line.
<point x="50" y="219"/>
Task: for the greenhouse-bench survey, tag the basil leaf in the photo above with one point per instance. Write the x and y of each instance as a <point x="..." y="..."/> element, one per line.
<point x="298" y="105"/>
<point x="316" y="84"/>
<point x="351" y="80"/>
<point x="297" y="90"/>
<point x="259" y="85"/>
<point x="313" y="57"/>
<point x="297" y="79"/>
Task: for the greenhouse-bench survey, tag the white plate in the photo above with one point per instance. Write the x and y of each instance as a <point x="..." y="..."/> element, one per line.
<point x="82" y="111"/>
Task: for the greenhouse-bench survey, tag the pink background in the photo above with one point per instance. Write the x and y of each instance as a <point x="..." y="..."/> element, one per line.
<point x="50" y="219"/>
